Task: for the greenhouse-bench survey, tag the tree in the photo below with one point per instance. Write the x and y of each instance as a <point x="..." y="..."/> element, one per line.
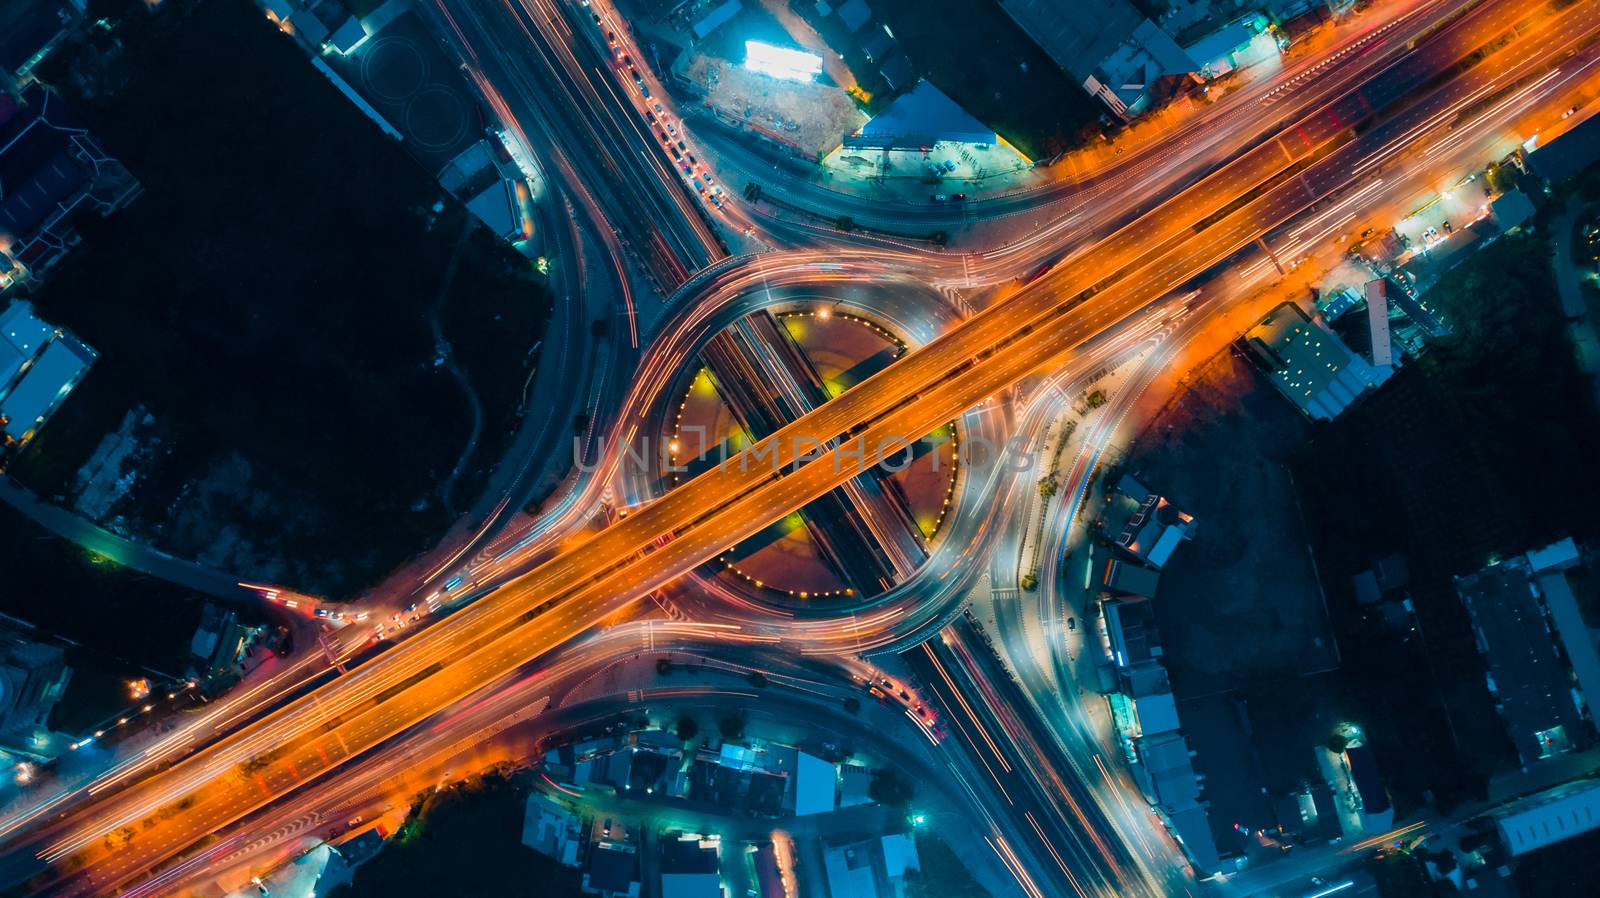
<point x="663" y="666"/>
<point x="852" y="704"/>
<point x="687" y="728"/>
<point x="757" y="679"/>
<point x="1030" y="581"/>
<point x="888" y="788"/>
<point x="598" y="328"/>
<point x="732" y="728"/>
<point x="1337" y="743"/>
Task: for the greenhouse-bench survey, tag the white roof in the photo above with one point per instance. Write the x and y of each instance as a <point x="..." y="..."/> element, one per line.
<point x="1546" y="819"/>
<point x="900" y="854"/>
<point x="50" y="378"/>
<point x="813" y="785"/>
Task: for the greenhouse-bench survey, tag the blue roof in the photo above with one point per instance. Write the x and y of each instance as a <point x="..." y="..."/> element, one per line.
<point x="924" y="116"/>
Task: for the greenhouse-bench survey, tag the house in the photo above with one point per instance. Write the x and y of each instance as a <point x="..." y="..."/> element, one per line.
<point x="51" y="169"/>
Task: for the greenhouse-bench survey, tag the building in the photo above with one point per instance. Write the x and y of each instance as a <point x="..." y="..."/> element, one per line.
<point x="768" y="871"/>
<point x="33" y="676"/>
<point x="551" y="830"/>
<point x="51" y="169"/>
<point x="1127" y="578"/>
<point x="486" y="181"/>
<point x="689" y="868"/>
<point x="815" y="785"/>
<point x="219" y="642"/>
<point x="1166" y="774"/>
<point x="29" y="30"/>
<point x="1144" y="712"/>
<point x="1117" y="54"/>
<point x="1372" y="799"/>
<point x="39" y="367"/>
<point x="1155" y="530"/>
<point x="1549" y="817"/>
<point x="918" y="119"/>
<point x="1570" y="153"/>
<point x="1532" y="686"/>
<point x="1377" y="291"/>
<point x="869" y="868"/>
<point x="1131" y="631"/>
<point x="612" y="870"/>
<point x="1308" y="364"/>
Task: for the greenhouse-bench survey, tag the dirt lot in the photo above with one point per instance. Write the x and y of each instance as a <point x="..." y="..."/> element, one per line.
<point x="1239" y="603"/>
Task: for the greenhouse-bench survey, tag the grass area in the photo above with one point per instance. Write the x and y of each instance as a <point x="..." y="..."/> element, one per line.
<point x="65" y="591"/>
<point x="267" y="298"/>
<point x="974" y="52"/>
<point x="1479" y="450"/>
<point x="464" y="840"/>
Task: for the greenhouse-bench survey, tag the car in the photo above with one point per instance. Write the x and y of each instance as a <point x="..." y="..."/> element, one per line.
<point x="706" y="176"/>
<point x="691" y="158"/>
<point x="671" y="128"/>
<point x="716" y="199"/>
<point x="682" y="145"/>
<point x="938" y="198"/>
<point x="675" y="153"/>
<point x="608" y="826"/>
<point x="688" y="172"/>
<point x="700" y="187"/>
<point x="1570" y="112"/>
<point x="612" y="37"/>
<point x="958" y="197"/>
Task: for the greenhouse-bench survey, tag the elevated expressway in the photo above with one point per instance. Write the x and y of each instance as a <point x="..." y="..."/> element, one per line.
<point x="131" y="832"/>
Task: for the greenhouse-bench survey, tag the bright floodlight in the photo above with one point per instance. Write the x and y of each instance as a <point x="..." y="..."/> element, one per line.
<point x="779" y="62"/>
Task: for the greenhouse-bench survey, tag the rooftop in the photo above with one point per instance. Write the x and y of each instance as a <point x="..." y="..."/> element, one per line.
<point x="1308" y="364"/>
<point x="1531" y="684"/>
